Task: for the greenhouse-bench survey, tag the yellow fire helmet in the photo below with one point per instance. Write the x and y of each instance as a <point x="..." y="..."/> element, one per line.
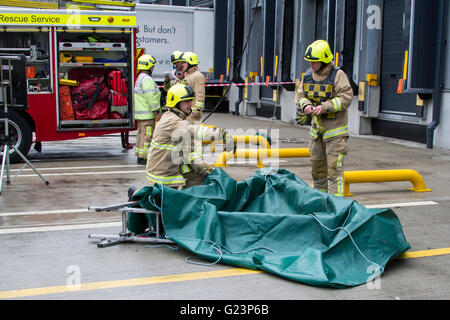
<point x="190" y="58"/>
<point x="146" y="61"/>
<point x="176" y="56"/>
<point x="177" y="93"/>
<point x="319" y="51"/>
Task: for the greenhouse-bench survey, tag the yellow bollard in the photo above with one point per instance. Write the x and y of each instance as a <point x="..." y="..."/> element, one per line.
<point x="208" y="125"/>
<point x="222" y="159"/>
<point x="384" y="176"/>
<point x="260" y="154"/>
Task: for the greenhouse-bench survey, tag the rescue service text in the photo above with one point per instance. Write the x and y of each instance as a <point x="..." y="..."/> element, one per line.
<point x="29" y="19"/>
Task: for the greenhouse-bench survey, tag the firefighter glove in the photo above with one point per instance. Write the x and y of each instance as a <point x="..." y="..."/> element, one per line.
<point x="196" y="112"/>
<point x="201" y="169"/>
<point x="302" y="118"/>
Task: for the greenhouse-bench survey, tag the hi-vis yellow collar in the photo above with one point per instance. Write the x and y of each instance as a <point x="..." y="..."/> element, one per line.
<point x="68" y="19"/>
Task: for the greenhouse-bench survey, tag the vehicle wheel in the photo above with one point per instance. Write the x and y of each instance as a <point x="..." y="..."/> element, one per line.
<point x="20" y="133"/>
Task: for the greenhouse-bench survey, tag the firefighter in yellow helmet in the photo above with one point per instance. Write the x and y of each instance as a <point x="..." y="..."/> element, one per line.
<point x="175" y="57"/>
<point x="147" y="105"/>
<point x="325" y="95"/>
<point x="173" y="77"/>
<point x="195" y="79"/>
<point x="175" y="153"/>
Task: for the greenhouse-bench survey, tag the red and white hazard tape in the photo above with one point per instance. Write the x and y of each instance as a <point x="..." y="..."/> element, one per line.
<point x="247" y="84"/>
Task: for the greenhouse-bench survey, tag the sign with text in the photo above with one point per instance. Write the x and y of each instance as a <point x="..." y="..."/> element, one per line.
<point x="161" y="33"/>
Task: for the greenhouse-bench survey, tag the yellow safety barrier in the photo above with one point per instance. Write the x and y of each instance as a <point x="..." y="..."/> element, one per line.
<point x="363" y="176"/>
<point x="384" y="176"/>
<point x="260" y="154"/>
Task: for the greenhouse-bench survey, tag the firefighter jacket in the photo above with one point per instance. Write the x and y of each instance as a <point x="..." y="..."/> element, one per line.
<point x="146" y="97"/>
<point x="331" y="88"/>
<point x="171" y="153"/>
<point x="195" y="79"/>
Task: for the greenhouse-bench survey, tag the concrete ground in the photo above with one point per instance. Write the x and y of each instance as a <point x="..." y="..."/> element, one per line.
<point x="46" y="253"/>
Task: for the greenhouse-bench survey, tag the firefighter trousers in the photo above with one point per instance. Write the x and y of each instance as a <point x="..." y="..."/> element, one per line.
<point x="144" y="137"/>
<point x="327" y="164"/>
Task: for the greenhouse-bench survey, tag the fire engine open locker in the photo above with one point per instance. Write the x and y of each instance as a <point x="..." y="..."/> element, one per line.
<point x="80" y="71"/>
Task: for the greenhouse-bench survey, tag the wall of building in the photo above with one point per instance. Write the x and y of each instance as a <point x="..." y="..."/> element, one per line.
<point x="442" y="133"/>
<point x="366" y="59"/>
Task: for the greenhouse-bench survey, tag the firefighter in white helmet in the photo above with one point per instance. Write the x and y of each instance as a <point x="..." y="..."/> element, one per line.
<point x="147" y="97"/>
<point x="325" y="95"/>
<point x="175" y="153"/>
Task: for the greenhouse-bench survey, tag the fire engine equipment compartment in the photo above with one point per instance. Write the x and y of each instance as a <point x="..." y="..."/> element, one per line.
<point x="81" y="70"/>
<point x="82" y="55"/>
<point x="93" y="60"/>
<point x="35" y="47"/>
<point x="16" y="94"/>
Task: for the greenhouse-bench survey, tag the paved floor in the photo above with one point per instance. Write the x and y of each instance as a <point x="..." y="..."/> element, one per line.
<point x="46" y="253"/>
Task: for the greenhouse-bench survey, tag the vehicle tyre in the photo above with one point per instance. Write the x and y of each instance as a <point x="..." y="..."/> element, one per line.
<point x="20" y="133"/>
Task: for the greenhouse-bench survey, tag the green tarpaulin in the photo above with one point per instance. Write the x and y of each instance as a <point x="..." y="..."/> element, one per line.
<point x="275" y="222"/>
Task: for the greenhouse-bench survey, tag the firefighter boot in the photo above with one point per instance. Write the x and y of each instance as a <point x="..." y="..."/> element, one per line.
<point x="141" y="161"/>
<point x="131" y="191"/>
<point x="319" y="174"/>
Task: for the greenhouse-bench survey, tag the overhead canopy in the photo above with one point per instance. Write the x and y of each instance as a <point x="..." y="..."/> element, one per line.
<point x="275" y="222"/>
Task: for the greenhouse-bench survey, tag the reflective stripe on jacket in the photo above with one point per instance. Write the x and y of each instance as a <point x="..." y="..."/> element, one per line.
<point x="146" y="97"/>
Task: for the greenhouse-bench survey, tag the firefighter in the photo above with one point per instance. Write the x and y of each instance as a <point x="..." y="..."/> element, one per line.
<point x="175" y="152"/>
<point x="325" y="95"/>
<point x="147" y="106"/>
<point x="195" y="79"/>
<point x="176" y="76"/>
